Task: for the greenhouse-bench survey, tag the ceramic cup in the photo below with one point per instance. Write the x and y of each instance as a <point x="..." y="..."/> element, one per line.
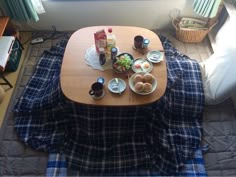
<point x="138" y="42"/>
<point x="96" y="89"/>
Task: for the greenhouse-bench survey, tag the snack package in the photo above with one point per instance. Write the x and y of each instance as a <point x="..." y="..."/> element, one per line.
<point x="100" y="39"/>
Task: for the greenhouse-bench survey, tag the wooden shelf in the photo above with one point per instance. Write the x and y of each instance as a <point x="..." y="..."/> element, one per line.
<point x="4" y="21"/>
<point x="5" y="25"/>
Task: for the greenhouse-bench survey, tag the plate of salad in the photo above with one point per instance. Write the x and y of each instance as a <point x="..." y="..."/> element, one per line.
<point x="123" y="62"/>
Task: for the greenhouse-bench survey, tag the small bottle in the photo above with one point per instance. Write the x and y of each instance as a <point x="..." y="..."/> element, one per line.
<point x="111" y="40"/>
<point x="145" y="43"/>
<point x="113" y="54"/>
<point x="102" y="56"/>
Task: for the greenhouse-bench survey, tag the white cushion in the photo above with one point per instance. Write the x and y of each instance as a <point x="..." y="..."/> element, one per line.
<point x="219" y="70"/>
<point x="225" y="37"/>
<point x="219" y="76"/>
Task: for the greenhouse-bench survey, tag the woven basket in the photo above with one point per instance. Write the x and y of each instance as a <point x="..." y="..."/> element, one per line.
<point x="190" y="36"/>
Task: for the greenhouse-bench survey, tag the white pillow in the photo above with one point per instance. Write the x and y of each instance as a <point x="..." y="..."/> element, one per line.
<point x="225" y="37"/>
<point x="219" y="76"/>
<point x="219" y="70"/>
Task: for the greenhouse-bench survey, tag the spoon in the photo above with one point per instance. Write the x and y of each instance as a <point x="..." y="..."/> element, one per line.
<point x="117" y="82"/>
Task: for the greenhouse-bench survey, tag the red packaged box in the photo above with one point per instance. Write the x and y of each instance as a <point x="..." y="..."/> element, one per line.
<point x="100" y="39"/>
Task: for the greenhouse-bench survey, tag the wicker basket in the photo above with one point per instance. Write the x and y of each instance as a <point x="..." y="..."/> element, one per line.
<point x="190" y="36"/>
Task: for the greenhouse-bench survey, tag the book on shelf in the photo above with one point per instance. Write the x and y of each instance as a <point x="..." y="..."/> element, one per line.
<point x="6" y="43"/>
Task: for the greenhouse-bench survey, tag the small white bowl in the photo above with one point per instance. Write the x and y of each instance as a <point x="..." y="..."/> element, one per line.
<point x="155" y="56"/>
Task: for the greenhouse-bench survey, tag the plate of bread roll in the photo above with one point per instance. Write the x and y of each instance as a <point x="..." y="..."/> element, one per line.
<point x="143" y="83"/>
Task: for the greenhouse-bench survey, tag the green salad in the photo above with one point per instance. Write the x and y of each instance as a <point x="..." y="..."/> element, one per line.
<point x="123" y="62"/>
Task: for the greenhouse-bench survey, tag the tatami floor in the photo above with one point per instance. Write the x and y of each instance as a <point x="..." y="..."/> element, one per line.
<point x="12" y="76"/>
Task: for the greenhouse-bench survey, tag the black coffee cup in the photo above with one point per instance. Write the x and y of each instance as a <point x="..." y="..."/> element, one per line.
<point x="96" y="89"/>
<point x="138" y="42"/>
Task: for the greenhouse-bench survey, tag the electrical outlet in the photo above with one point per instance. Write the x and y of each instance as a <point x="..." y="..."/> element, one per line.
<point x="37" y="40"/>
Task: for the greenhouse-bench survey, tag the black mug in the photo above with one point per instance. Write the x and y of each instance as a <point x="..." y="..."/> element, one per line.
<point x="96" y="89"/>
<point x="138" y="42"/>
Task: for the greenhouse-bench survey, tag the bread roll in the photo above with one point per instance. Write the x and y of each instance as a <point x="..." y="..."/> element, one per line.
<point x="139" y="87"/>
<point x="147" y="87"/>
<point x="138" y="78"/>
<point x="148" y="78"/>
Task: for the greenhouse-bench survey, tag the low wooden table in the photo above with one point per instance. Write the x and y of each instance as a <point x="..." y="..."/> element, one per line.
<point x="77" y="77"/>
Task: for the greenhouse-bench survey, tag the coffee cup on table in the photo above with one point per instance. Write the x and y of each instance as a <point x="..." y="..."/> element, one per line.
<point x="138" y="42"/>
<point x="96" y="90"/>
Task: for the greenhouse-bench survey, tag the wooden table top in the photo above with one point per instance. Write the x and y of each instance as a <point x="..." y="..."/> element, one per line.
<point x="77" y="77"/>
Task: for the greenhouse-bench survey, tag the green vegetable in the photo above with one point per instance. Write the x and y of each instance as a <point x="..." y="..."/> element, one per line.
<point x="124" y="60"/>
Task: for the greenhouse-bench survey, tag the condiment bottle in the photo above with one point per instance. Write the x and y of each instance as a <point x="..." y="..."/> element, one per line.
<point x="111" y="40"/>
<point x="113" y="54"/>
<point x="102" y="56"/>
<point x="145" y="43"/>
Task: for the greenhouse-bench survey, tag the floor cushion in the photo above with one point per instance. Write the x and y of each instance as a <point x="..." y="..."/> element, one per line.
<point x="218" y="74"/>
<point x="219" y="70"/>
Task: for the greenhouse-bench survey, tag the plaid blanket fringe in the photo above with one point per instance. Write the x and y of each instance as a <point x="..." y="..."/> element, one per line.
<point x="161" y="136"/>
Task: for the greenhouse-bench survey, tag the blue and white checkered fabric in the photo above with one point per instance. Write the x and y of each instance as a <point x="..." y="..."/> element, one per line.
<point x="56" y="166"/>
<point x="194" y="167"/>
<point x="42" y="90"/>
<point x="159" y="137"/>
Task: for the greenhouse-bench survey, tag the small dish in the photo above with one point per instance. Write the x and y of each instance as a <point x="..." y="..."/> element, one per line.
<point x="142" y="65"/>
<point x="141" y="49"/>
<point x="99" y="97"/>
<point x="132" y="85"/>
<point x="115" y="87"/>
<point x="155" y="56"/>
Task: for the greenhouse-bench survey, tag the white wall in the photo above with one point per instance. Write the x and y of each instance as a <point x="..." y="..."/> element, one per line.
<point x="72" y="15"/>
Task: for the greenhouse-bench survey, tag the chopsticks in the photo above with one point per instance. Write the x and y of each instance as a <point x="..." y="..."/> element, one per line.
<point x="130" y="91"/>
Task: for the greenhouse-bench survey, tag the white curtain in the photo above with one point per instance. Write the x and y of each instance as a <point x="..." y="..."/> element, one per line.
<point x="206" y="8"/>
<point x="38" y="6"/>
<point x="22" y="10"/>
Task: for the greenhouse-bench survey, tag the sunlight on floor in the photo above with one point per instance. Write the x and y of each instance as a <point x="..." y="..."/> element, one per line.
<point x="12" y="77"/>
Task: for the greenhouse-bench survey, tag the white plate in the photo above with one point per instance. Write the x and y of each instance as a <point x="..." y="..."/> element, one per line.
<point x="155" y="56"/>
<point x="142" y="62"/>
<point x="116" y="88"/>
<point x="131" y="84"/>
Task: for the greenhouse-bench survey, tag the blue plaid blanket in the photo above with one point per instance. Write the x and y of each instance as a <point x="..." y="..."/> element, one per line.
<point x="194" y="167"/>
<point x="159" y="137"/>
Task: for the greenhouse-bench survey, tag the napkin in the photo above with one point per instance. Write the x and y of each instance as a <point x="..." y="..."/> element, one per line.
<point x="92" y="59"/>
